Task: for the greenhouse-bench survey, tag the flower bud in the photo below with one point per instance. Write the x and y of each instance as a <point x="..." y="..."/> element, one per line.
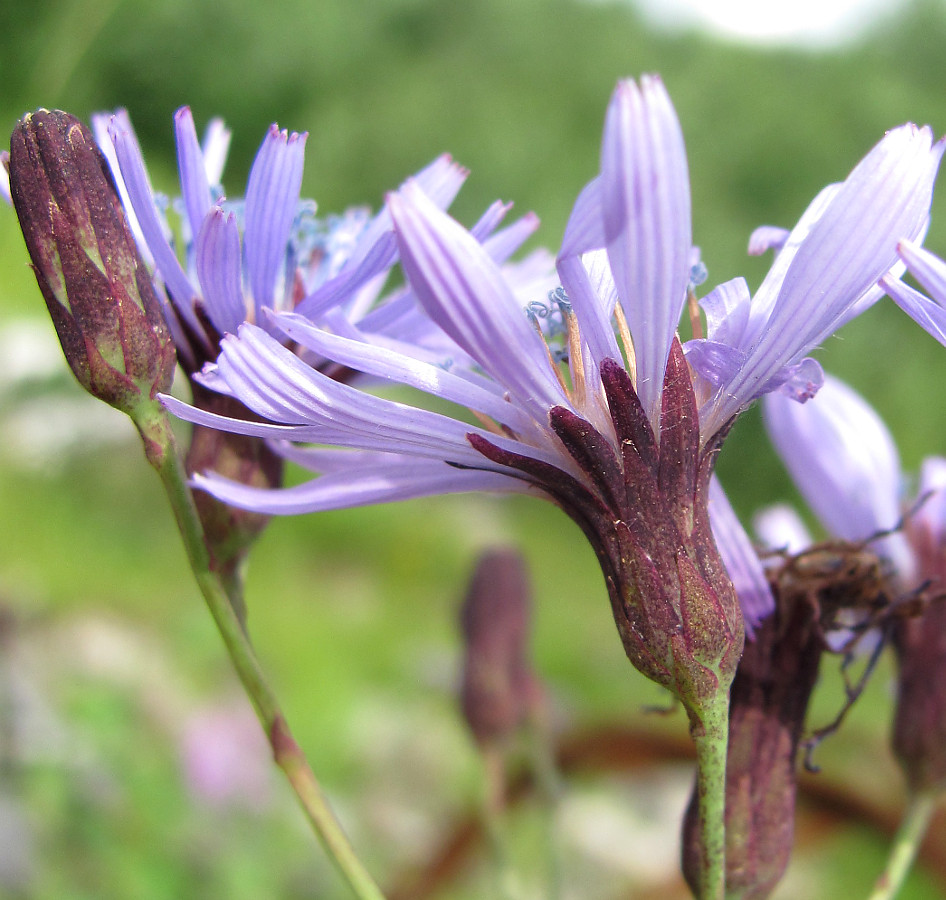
<point x="498" y="690"/>
<point x="97" y="289"/>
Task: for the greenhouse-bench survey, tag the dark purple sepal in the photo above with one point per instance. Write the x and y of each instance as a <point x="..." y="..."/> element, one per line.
<point x="709" y="647"/>
<point x="679" y="438"/>
<point x="562" y="487"/>
<point x="594" y="455"/>
<point x="627" y="414"/>
<point x="643" y="507"/>
<point x="97" y="289"/>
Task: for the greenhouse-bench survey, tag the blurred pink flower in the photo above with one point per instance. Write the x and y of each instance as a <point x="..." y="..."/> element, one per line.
<point x="225" y="757"/>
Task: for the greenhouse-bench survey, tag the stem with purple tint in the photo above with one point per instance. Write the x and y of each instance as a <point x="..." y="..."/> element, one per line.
<point x="162" y="452"/>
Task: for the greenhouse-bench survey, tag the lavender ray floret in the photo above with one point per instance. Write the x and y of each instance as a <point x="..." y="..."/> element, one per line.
<point x="195" y="187"/>
<point x="464" y="292"/>
<point x="385" y="363"/>
<point x="841" y="456"/>
<point x="141" y="196"/>
<point x="272" y="193"/>
<point x="849" y="248"/>
<point x="742" y="562"/>
<point x="219" y="270"/>
<point x="359" y="486"/>
<point x="646" y="212"/>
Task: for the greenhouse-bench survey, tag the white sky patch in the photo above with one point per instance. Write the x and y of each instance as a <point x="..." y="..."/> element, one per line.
<point x="812" y="23"/>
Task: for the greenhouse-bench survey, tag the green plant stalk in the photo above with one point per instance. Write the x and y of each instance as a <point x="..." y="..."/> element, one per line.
<point x="549" y="788"/>
<point x="906" y="845"/>
<point x="493" y="813"/>
<point x="710" y="732"/>
<point x="162" y="452"/>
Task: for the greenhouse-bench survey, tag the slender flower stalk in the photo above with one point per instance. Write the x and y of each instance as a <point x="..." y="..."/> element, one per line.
<point x="163" y="454"/>
<point x="100" y="297"/>
<point x="906" y="846"/>
<point x="597" y="407"/>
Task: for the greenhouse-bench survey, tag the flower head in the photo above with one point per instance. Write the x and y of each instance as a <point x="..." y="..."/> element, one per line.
<point x="625" y="436"/>
<point x="241" y="257"/>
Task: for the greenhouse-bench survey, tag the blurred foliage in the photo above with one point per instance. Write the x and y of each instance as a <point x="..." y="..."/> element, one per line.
<point x="353" y="611"/>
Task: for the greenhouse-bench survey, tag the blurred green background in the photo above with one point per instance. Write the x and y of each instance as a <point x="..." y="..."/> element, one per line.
<point x="110" y="668"/>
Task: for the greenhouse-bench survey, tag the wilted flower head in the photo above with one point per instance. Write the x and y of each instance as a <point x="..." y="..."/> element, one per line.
<point x="846" y="465"/>
<point x="919" y="729"/>
<point x="624" y="439"/>
<point x="95" y="284"/>
<point x="768" y="703"/>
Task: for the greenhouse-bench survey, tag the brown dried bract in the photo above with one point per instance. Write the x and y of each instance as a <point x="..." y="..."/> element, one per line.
<point x="850" y="586"/>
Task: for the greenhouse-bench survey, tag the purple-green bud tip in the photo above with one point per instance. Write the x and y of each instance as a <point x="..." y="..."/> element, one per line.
<point x="96" y="286"/>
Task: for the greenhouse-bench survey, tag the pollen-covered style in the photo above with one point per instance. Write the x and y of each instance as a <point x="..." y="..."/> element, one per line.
<point x="623" y="437"/>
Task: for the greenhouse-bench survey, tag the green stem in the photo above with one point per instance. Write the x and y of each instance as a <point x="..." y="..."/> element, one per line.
<point x="494" y="821"/>
<point x="549" y="789"/>
<point x="906" y="845"/>
<point x="162" y="452"/>
<point x="710" y="733"/>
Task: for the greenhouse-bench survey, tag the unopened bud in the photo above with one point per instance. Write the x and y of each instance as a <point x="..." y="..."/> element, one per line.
<point x="97" y="289"/>
<point x="498" y="690"/>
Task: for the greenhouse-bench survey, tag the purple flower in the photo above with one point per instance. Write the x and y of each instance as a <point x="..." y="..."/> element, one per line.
<point x="742" y="562"/>
<point x="626" y="254"/>
<point x="622" y="438"/>
<point x="846" y="466"/>
<point x="244" y="257"/>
